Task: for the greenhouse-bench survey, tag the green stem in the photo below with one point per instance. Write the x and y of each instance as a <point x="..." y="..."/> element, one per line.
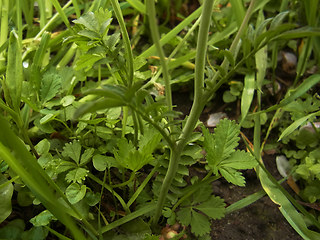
<point x="4" y="27"/>
<point x="126" y="40"/>
<point x="155" y="37"/>
<point x="196" y="109"/>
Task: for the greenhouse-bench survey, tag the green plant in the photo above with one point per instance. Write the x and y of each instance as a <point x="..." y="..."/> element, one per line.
<point x="108" y="149"/>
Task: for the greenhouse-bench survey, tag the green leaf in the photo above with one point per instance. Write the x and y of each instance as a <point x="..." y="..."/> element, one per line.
<point x="129" y="157"/>
<point x="73" y="151"/>
<point x="14" y="73"/>
<point x="86" y="61"/>
<point x="99" y="105"/>
<point x="233" y="176"/>
<point x="138" y="5"/>
<point x="200" y="224"/>
<point x="184" y="216"/>
<point x="305" y="86"/>
<point x="228" y="97"/>
<point x="13" y="230"/>
<point x="277" y="20"/>
<point x="43" y="147"/>
<point x="247" y="94"/>
<point x="50" y="85"/>
<point x="42" y="219"/>
<point x="85" y="157"/>
<point x="149" y="141"/>
<point x="67" y="100"/>
<point x="35" y="233"/>
<point x="77" y="175"/>
<point x="297" y="124"/>
<point x="214" y="207"/>
<point x="75" y="192"/>
<point x="92" y="198"/>
<point x="101" y="162"/>
<point x="202" y="194"/>
<point x="89" y="21"/>
<point x="221" y="144"/>
<point x="6" y="191"/>
<point x="239" y="160"/>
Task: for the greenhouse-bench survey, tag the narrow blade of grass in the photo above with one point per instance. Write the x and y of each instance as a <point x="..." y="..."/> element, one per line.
<point x="245" y="201"/>
<point x="64" y="17"/>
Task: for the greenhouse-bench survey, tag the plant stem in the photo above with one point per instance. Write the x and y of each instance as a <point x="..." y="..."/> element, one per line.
<point x="155" y="37"/>
<point x="126" y="40"/>
<point x="196" y="109"/>
<point x="4" y="27"/>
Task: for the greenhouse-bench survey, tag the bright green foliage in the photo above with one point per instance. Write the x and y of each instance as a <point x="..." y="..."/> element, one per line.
<point x="209" y="206"/>
<point x="221" y="154"/>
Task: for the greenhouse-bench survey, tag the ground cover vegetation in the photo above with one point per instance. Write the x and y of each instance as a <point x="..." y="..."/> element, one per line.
<point x="92" y="145"/>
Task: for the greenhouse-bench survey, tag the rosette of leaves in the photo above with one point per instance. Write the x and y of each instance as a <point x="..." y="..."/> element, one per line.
<point x="222" y="157"/>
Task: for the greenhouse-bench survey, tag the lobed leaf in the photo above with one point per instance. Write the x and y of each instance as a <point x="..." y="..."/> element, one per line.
<point x="233" y="176"/>
<point x="224" y="140"/>
<point x="77" y="175"/>
<point x="239" y="160"/>
<point x="214" y="207"/>
<point x="50" y="85"/>
<point x="200" y="224"/>
<point x="73" y="151"/>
